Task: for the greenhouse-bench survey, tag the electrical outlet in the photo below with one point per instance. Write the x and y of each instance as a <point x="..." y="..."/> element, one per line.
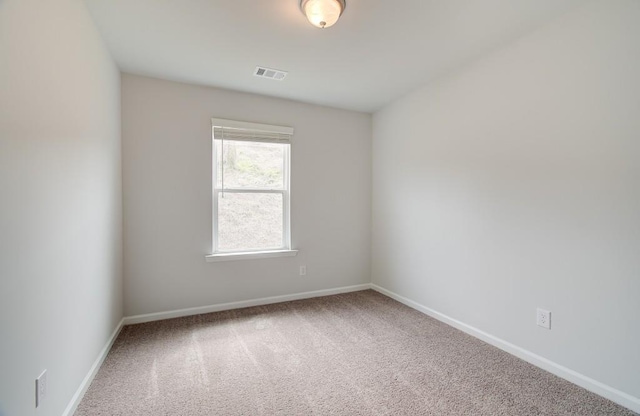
<point x="41" y="388"/>
<point x="543" y="318"/>
<point x="303" y="270"/>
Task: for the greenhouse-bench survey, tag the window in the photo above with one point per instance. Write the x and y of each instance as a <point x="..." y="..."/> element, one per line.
<point x="250" y="190"/>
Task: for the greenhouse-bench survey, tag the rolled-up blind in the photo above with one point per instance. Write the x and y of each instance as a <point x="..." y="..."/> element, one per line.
<point x="251" y="132"/>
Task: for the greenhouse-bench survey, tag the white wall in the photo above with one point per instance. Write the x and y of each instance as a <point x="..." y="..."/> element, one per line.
<point x="60" y="208"/>
<point x="167" y="197"/>
<point x="513" y="183"/>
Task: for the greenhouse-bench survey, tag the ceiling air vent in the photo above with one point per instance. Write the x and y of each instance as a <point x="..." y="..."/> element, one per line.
<point x="269" y="73"/>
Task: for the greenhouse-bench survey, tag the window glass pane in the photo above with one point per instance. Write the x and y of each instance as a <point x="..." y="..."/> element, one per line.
<point x="250" y="165"/>
<point x="249" y="221"/>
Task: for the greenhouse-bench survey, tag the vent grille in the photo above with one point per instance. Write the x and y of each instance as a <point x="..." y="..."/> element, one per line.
<point x="269" y="73"/>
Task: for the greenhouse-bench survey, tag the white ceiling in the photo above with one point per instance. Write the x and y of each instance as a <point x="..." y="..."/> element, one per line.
<point x="378" y="51"/>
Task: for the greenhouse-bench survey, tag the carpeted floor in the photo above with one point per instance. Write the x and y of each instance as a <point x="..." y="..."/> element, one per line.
<point x="354" y="354"/>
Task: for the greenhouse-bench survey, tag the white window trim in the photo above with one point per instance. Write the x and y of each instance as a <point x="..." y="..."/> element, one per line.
<point x="212" y="258"/>
<point x="285" y="250"/>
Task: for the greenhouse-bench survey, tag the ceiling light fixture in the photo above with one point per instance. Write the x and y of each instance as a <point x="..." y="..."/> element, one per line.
<point x="322" y="13"/>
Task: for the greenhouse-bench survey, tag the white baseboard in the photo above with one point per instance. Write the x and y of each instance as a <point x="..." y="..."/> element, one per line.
<point x="149" y="317"/>
<point x="581" y="380"/>
<point x="77" y="397"/>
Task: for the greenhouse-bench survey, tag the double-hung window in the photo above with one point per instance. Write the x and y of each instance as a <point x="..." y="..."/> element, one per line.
<point x="251" y="166"/>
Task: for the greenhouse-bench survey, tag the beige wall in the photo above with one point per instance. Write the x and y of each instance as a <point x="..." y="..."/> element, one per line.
<point x="60" y="207"/>
<point x="513" y="183"/>
<point x="167" y="197"/>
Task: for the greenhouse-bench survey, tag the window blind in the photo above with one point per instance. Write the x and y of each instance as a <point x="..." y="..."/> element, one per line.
<point x="250" y="132"/>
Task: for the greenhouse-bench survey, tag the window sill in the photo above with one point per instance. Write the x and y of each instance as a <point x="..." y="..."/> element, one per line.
<point x="250" y="255"/>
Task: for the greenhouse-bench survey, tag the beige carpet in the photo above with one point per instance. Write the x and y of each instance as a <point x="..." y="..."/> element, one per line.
<point x="354" y="354"/>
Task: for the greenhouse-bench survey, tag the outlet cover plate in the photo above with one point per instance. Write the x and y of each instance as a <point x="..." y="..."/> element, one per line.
<point x="41" y="388"/>
<point x="543" y="318"/>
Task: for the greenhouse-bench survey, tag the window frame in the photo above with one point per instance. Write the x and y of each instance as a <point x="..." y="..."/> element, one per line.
<point x="285" y="249"/>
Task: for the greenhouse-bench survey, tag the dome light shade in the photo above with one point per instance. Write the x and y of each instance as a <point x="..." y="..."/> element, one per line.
<point x="322" y="13"/>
